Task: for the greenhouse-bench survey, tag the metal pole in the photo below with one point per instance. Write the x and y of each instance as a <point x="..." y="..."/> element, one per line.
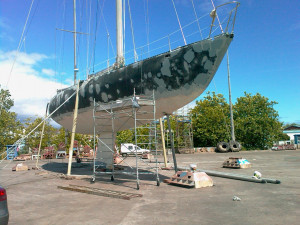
<point x="120" y="57"/>
<point x="136" y="156"/>
<point x="112" y="142"/>
<point x="75" y="63"/>
<point x="73" y="132"/>
<point x="37" y="160"/>
<point x="230" y="103"/>
<point x="94" y="153"/>
<point x="163" y="141"/>
<point x="172" y="143"/>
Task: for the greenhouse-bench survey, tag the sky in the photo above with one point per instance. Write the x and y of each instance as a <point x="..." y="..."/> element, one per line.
<point x="37" y="59"/>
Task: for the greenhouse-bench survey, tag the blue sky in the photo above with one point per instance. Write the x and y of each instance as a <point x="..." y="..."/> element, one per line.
<point x="264" y="55"/>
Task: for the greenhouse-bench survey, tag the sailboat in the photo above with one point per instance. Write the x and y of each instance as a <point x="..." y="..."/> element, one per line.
<point x="175" y="78"/>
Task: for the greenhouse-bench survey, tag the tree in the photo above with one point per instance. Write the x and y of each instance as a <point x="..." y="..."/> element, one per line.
<point x="10" y="127"/>
<point x="282" y="137"/>
<point x="210" y="118"/>
<point x="34" y="138"/>
<point x="256" y="121"/>
<point x="6" y="102"/>
<point x="59" y="137"/>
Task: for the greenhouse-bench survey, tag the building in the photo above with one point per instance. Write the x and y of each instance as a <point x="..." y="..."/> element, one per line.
<point x="294" y="133"/>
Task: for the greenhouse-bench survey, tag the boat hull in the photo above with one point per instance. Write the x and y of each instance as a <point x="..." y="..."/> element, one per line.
<point x="176" y="78"/>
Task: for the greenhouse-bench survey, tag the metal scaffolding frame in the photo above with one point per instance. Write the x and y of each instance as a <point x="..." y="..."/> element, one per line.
<point x="184" y="132"/>
<point x="109" y="118"/>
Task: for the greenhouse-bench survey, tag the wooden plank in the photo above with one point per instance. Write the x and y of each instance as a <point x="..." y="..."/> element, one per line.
<point x="100" y="192"/>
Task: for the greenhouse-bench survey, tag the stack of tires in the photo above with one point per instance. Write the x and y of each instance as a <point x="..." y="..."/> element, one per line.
<point x="232" y="146"/>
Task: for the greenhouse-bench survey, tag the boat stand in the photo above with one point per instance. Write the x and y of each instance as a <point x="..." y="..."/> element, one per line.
<point x="109" y="118"/>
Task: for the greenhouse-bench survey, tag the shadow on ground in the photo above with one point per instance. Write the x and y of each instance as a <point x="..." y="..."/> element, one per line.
<point x="122" y="179"/>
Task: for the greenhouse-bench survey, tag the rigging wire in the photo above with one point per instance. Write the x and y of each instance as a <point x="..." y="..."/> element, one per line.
<point x="79" y="37"/>
<point x="22" y="38"/>
<point x="31" y="19"/>
<point x="19" y="46"/>
<point x="228" y="71"/>
<point x="124" y="29"/>
<point x="179" y="22"/>
<point x="146" y="10"/>
<point x="62" y="46"/>
<point x="55" y="63"/>
<point x="162" y="38"/>
<point x="96" y="28"/>
<point x="166" y="36"/>
<point x="108" y="37"/>
<point x="88" y="39"/>
<point x="132" y="33"/>
<point x="107" y="32"/>
<point x="197" y="19"/>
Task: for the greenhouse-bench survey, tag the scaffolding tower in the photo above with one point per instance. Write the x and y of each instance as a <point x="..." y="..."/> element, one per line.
<point x="184" y="132"/>
<point x="109" y="118"/>
<point x="184" y="129"/>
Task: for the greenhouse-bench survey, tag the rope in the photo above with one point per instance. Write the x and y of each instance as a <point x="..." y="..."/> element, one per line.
<point x="179" y="22"/>
<point x="132" y="33"/>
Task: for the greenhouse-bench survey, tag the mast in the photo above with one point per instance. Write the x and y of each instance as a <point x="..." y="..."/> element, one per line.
<point x="75" y="37"/>
<point x="120" y="57"/>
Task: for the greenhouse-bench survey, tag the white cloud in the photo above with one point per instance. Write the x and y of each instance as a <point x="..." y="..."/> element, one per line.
<point x="22" y="57"/>
<point x="29" y="91"/>
<point x="48" y="72"/>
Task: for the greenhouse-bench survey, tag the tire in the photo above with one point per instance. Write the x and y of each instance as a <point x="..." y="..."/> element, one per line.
<point x="234" y="146"/>
<point x="223" y="147"/>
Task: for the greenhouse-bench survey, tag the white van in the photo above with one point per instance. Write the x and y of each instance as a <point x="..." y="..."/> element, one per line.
<point x="131" y="149"/>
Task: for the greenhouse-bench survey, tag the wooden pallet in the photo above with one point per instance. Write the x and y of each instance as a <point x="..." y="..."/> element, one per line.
<point x="234" y="162"/>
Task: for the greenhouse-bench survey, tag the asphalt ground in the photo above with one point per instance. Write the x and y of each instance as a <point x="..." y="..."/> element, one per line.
<point x="33" y="196"/>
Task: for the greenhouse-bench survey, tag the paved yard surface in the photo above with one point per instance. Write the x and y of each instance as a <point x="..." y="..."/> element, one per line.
<point x="34" y="198"/>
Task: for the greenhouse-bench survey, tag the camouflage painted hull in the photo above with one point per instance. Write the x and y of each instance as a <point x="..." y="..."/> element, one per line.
<point x="175" y="77"/>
